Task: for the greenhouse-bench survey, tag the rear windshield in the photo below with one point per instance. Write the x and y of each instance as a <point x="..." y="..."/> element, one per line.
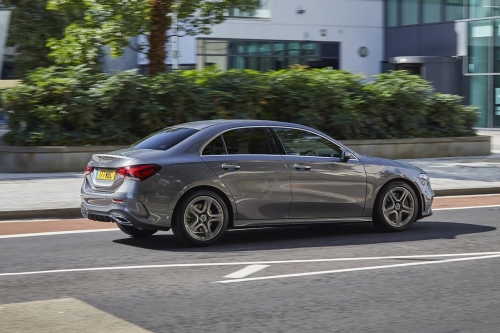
<point x="164" y="139"/>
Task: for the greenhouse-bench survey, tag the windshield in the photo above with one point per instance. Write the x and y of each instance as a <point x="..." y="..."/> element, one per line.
<point x="164" y="139"/>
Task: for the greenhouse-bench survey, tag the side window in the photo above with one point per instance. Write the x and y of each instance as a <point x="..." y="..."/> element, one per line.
<point x="216" y="147"/>
<point x="298" y="142"/>
<point x="247" y="141"/>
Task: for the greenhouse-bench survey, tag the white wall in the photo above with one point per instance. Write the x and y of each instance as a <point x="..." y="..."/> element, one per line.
<point x="4" y="26"/>
<point x="353" y="23"/>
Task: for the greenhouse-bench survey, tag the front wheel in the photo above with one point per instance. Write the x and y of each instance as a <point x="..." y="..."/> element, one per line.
<point x="136" y="232"/>
<point x="396" y="208"/>
<point x="202" y="218"/>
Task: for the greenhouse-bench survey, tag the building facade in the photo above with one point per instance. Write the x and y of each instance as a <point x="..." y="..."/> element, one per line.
<point x="461" y="38"/>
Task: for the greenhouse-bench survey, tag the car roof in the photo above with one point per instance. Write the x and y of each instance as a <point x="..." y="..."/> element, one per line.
<point x="199" y="125"/>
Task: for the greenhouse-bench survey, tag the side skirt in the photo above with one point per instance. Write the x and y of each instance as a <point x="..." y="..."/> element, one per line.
<point x="278" y="222"/>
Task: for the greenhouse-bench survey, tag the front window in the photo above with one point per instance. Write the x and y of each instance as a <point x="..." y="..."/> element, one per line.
<point x="302" y="143"/>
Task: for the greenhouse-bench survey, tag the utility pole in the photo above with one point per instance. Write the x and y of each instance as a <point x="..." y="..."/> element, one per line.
<point x="175" y="40"/>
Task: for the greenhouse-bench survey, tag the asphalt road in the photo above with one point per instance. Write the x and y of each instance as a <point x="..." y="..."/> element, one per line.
<point x="440" y="276"/>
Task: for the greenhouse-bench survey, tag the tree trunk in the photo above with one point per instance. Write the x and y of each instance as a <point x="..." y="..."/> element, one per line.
<point x="160" y="23"/>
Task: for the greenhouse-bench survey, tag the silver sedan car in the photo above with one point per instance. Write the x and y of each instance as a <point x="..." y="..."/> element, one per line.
<point x="203" y="178"/>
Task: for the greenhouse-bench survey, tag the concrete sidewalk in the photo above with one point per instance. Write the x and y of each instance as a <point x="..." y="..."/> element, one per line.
<point x="58" y="195"/>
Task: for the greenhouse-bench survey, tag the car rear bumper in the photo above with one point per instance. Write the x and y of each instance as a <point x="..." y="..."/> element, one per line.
<point x="121" y="206"/>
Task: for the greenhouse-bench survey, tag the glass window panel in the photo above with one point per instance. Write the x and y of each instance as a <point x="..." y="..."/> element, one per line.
<point x="238" y="62"/>
<point x="293" y="49"/>
<point x="391" y="13"/>
<point x="478" y="96"/>
<point x="409" y="12"/>
<point x="219" y="61"/>
<point x="252" y="48"/>
<point x="496" y="62"/>
<point x="293" y="61"/>
<point x="329" y="50"/>
<point x="308" y="49"/>
<point x="216" y="147"/>
<point x="280" y="63"/>
<point x="496" y="109"/>
<point x="479" y="8"/>
<point x="216" y="47"/>
<point x="454" y="10"/>
<point x="265" y="64"/>
<point x="252" y="63"/>
<point x="247" y="141"/>
<point x="265" y="48"/>
<point x="479" y="36"/>
<point x="495" y="8"/>
<point x="297" y="142"/>
<point x="279" y="49"/>
<point x="431" y="11"/>
<point x="241" y="48"/>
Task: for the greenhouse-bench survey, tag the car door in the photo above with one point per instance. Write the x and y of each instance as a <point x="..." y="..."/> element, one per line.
<point x="323" y="186"/>
<point x="248" y="163"/>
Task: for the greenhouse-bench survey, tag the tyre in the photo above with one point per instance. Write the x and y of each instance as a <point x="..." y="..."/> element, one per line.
<point x="136" y="232"/>
<point x="202" y="218"/>
<point x="396" y="207"/>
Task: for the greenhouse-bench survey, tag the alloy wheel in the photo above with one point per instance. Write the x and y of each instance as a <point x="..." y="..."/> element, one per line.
<point x="203" y="218"/>
<point x="398" y="206"/>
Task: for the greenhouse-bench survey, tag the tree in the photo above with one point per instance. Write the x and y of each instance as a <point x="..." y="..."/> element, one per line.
<point x="31" y="25"/>
<point x="113" y="22"/>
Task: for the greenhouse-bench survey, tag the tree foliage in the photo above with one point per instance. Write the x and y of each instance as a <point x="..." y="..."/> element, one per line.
<point x="31" y="25"/>
<point x="72" y="106"/>
<point x="112" y="22"/>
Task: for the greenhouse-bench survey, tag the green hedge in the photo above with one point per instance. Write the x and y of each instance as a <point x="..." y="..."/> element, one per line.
<point x="74" y="106"/>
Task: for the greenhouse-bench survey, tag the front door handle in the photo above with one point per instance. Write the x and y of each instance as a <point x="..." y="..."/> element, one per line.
<point x="230" y="167"/>
<point x="302" y="167"/>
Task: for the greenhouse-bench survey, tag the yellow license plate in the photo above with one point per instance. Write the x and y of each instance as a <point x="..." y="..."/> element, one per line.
<point x="106" y="174"/>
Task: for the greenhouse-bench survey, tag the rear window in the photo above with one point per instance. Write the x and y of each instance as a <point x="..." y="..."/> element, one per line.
<point x="164" y="139"/>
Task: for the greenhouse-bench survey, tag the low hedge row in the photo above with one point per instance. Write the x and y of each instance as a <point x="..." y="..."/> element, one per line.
<point x="75" y="106"/>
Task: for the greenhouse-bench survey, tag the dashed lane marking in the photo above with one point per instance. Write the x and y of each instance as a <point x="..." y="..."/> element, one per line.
<point x="249" y="270"/>
<point x="94" y="269"/>
<point x="358" y="269"/>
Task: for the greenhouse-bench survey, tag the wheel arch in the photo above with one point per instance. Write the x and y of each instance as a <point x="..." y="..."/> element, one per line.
<point x="227" y="201"/>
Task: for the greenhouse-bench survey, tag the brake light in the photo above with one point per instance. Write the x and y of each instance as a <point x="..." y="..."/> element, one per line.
<point x="88" y="169"/>
<point x="138" y="172"/>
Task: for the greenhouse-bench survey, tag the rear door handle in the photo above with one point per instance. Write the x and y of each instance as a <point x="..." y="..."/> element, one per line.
<point x="302" y="167"/>
<point x="230" y="167"/>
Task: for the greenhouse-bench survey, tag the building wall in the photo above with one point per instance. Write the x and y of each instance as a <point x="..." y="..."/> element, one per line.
<point x="353" y="23"/>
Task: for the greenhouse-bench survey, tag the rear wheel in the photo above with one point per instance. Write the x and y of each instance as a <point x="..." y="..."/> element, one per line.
<point x="136" y="232"/>
<point x="396" y="208"/>
<point x="202" y="218"/>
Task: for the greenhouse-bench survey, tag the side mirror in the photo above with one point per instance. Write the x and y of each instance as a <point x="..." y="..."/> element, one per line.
<point x="345" y="156"/>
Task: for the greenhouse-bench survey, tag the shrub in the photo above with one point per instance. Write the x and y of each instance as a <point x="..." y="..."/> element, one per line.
<point x="76" y="106"/>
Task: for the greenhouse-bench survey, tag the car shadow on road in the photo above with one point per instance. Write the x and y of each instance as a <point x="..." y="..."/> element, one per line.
<point x="311" y="236"/>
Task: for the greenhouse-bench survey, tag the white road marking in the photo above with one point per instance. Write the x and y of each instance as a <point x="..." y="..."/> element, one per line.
<point x="33" y="220"/>
<point x="358" y="269"/>
<point x="470" y="207"/>
<point x="469" y="196"/>
<point x="56" y="233"/>
<point x="246" y="271"/>
<point x="72" y="270"/>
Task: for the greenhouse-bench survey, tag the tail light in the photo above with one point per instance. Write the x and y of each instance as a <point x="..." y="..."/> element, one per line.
<point x="138" y="172"/>
<point x="88" y="169"/>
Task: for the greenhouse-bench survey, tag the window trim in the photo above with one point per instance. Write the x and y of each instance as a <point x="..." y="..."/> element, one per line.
<point x="266" y="128"/>
<point x="280" y="148"/>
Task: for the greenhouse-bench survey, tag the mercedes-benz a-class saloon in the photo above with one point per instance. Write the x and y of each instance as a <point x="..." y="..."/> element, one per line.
<point x="203" y="178"/>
